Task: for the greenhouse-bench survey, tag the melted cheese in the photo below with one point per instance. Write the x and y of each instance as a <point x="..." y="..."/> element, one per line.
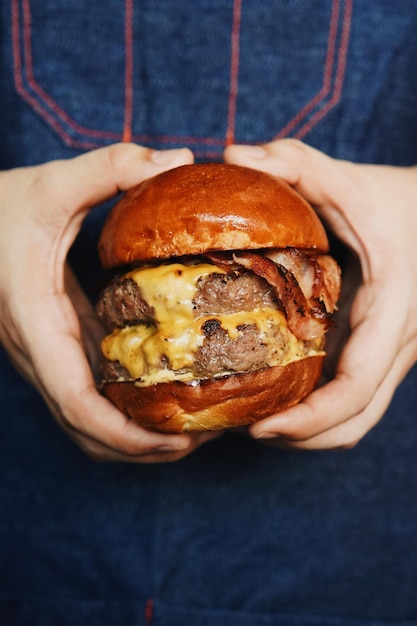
<point x="165" y="350"/>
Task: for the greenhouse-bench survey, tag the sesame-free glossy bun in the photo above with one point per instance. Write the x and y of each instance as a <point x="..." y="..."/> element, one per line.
<point x="225" y="402"/>
<point x="207" y="207"/>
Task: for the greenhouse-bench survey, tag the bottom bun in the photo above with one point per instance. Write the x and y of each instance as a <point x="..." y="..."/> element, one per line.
<point x="224" y="402"/>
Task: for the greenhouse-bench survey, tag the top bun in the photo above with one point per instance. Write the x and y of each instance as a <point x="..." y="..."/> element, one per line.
<point x="195" y="209"/>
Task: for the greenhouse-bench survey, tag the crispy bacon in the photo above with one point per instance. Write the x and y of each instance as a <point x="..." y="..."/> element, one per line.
<point x="307" y="286"/>
<point x="331" y="284"/>
<point x="318" y="276"/>
<point x="305" y="322"/>
<point x="224" y="260"/>
<point x="300" y="265"/>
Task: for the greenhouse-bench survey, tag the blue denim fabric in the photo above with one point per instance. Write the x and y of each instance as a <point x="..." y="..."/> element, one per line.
<point x="236" y="534"/>
<point x="336" y="73"/>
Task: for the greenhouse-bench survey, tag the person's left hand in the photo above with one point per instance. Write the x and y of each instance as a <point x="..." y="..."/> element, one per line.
<point x="373" y="211"/>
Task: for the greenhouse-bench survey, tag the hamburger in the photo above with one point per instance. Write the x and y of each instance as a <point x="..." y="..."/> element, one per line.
<point x="220" y="296"/>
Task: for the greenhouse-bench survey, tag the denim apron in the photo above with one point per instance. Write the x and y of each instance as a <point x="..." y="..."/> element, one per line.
<point x="237" y="534"/>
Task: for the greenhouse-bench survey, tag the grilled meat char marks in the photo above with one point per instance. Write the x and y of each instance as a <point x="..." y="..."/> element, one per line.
<point x="251" y="282"/>
<point x="121" y="303"/>
<point x="220" y="353"/>
<point x="306" y="292"/>
<point x="231" y="293"/>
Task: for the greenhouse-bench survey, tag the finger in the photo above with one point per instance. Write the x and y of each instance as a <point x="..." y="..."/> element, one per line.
<point x="341" y="192"/>
<point x="92" y="332"/>
<point x="91" y="327"/>
<point x="108" y="435"/>
<point x="331" y="186"/>
<point x="349" y="433"/>
<point x="98" y="175"/>
<point x="66" y="191"/>
<point x="88" y="418"/>
<point x="80" y="408"/>
<point x="61" y="193"/>
<point x="301" y="165"/>
<point x="325" y="182"/>
<point x="364" y="364"/>
<point x="96" y="449"/>
<point x="162" y="454"/>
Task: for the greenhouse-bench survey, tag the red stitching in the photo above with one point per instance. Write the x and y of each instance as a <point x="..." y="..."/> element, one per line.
<point x="17" y="71"/>
<point x="17" y="59"/>
<point x="43" y="95"/>
<point x="63" y="115"/>
<point x="340" y="73"/>
<point x="327" y="75"/>
<point x="128" y="117"/>
<point x="23" y="62"/>
<point x="46" y="99"/>
<point x="234" y="72"/>
<point x="149" y="612"/>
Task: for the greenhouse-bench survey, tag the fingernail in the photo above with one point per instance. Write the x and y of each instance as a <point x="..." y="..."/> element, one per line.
<point x="163" y="157"/>
<point x="254" y="152"/>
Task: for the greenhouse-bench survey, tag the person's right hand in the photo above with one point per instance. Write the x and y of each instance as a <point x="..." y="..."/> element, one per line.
<point x="47" y="324"/>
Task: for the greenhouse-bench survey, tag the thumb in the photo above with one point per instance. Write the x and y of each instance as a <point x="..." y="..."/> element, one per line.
<point x="52" y="199"/>
<point x="318" y="177"/>
<point x="96" y="176"/>
<point x="61" y="192"/>
<point x="330" y="185"/>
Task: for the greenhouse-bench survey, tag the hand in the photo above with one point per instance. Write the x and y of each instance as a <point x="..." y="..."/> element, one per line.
<point x="47" y="324"/>
<point x="373" y="210"/>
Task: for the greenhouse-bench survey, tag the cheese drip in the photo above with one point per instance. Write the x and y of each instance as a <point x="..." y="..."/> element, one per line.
<point x="164" y="351"/>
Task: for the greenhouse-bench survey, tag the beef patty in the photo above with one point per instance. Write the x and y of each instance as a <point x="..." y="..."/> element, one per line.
<point x="121" y="304"/>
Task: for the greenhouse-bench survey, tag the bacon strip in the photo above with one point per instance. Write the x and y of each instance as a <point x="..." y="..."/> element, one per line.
<point x="305" y="322"/>
<point x="331" y="285"/>
<point x="224" y="260"/>
<point x="300" y="265"/>
<point x="318" y="276"/>
<point x="307" y="287"/>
